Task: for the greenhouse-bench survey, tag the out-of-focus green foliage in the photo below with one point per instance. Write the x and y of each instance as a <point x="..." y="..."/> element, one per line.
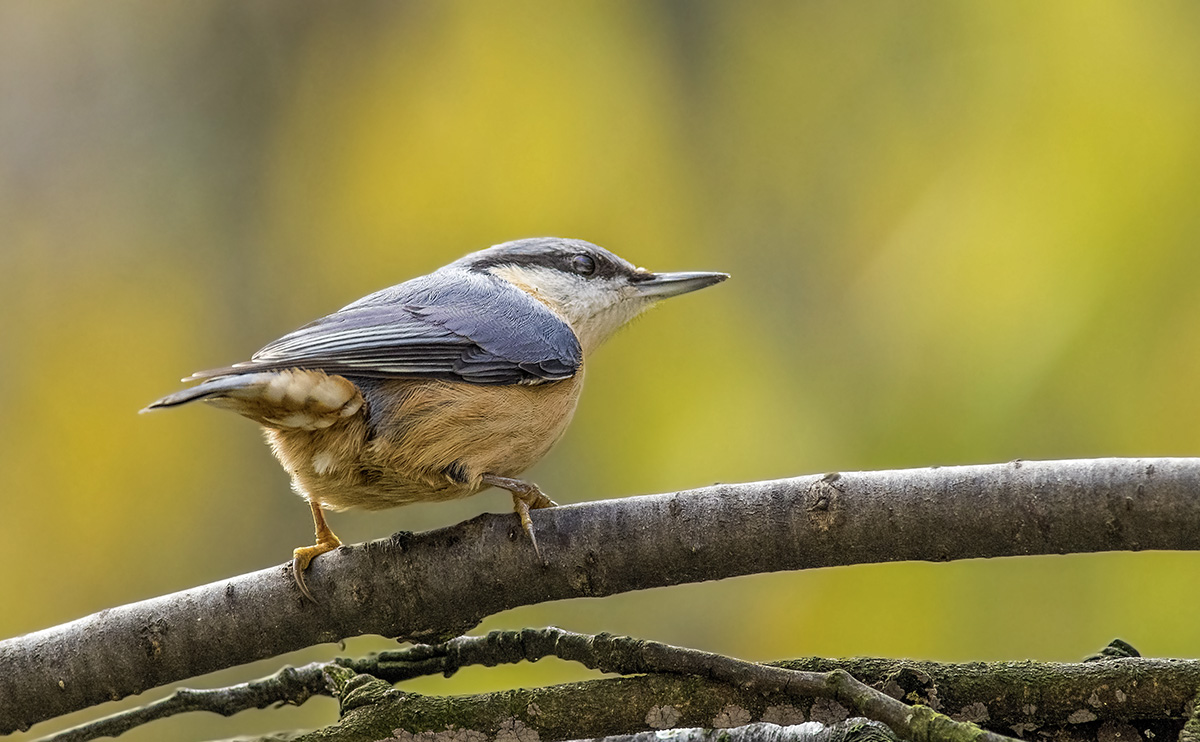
<point x="958" y="233"/>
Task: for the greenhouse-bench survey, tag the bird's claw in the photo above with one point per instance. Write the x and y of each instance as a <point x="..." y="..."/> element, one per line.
<point x="298" y="566"/>
<point x="526" y="496"/>
<point x="303" y="556"/>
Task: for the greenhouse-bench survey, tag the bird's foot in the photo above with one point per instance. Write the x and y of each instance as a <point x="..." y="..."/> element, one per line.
<point x="526" y="496"/>
<point x="303" y="556"/>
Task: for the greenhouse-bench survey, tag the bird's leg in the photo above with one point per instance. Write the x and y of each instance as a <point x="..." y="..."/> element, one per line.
<point x="525" y="497"/>
<point x="301" y="557"/>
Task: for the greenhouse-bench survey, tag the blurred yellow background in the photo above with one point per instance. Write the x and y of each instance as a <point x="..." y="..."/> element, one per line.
<point x="958" y="233"/>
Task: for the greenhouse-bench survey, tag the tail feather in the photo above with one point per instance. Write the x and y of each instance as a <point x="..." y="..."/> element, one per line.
<point x="291" y="399"/>
<point x="212" y="388"/>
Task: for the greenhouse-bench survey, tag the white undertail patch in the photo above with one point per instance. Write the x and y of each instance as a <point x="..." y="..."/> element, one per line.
<point x="276" y="388"/>
<point x="330" y="394"/>
<point x="322" y="462"/>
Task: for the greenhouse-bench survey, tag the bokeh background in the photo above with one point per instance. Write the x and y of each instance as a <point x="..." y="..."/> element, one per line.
<point x="958" y="233"/>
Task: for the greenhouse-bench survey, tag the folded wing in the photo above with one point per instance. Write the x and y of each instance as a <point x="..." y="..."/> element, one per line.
<point x="479" y="329"/>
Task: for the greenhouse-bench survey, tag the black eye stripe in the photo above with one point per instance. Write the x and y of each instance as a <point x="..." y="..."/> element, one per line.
<point x="562" y="261"/>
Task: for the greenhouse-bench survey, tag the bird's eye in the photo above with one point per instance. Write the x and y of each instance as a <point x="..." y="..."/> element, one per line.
<point x="583" y="265"/>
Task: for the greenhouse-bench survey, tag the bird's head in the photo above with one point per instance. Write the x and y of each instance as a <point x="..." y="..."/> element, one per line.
<point x="593" y="290"/>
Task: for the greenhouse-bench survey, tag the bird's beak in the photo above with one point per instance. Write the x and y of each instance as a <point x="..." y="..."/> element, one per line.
<point x="662" y="285"/>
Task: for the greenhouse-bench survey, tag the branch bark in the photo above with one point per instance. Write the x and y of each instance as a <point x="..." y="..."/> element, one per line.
<point x="850" y="730"/>
<point x="436" y="585"/>
<point x="1112" y="700"/>
<point x="1106" y="697"/>
<point x="369" y="705"/>
<point x="365" y="686"/>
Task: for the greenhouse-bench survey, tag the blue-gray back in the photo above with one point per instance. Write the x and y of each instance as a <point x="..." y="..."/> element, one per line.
<point x="455" y="325"/>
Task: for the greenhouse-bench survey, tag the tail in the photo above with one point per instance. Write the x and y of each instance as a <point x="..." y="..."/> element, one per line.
<point x="218" y="387"/>
<point x="291" y="399"/>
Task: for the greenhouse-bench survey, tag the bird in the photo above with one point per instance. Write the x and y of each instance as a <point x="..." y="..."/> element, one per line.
<point x="441" y="386"/>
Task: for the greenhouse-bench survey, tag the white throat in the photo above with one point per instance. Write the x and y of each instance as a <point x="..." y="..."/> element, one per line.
<point x="594" y="308"/>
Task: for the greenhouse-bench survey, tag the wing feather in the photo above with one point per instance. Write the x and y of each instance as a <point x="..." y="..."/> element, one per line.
<point x="464" y="327"/>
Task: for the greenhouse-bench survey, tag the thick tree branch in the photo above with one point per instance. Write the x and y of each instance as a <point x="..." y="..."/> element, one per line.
<point x="439" y="584"/>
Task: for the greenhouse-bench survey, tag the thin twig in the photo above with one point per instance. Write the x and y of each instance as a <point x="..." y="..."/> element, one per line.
<point x="291" y="685"/>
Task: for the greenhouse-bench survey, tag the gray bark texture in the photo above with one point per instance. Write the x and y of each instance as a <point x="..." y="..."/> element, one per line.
<point x="436" y="585"/>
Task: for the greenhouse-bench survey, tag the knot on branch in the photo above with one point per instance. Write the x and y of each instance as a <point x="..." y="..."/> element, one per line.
<point x="913" y="686"/>
<point x="355" y="690"/>
<point x="928" y="725"/>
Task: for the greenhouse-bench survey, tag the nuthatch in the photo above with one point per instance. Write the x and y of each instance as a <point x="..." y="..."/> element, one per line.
<point x="440" y="386"/>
